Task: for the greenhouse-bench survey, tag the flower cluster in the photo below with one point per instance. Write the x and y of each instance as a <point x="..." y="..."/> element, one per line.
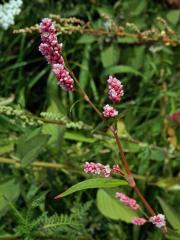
<point x="109" y="111"/>
<point x="8" y="11"/>
<point x="127" y="200"/>
<point x="97" y="168"/>
<point x="64" y="79"/>
<point x="175" y="117"/>
<point x="115" y="89"/>
<point x="51" y="49"/>
<point x="158" y="220"/>
<point x="115" y="92"/>
<point x="116" y="169"/>
<point x="100" y="169"/>
<point x="139" y="221"/>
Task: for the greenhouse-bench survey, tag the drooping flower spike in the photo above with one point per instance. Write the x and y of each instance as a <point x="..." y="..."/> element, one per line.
<point x="52" y="50"/>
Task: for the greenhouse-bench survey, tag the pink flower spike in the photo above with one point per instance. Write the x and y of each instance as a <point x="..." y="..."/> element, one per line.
<point x="109" y="111"/>
<point x="64" y="79"/>
<point x="115" y="89"/>
<point x="50" y="47"/>
<point x="158" y="220"/>
<point x="130" y="202"/>
<point x="51" y="50"/>
<point x="139" y="221"/>
<point x="97" y="168"/>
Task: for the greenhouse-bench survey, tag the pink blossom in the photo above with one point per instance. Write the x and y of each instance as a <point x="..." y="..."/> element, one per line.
<point x="116" y="169"/>
<point x="115" y="89"/>
<point x="50" y="47"/>
<point x="109" y="111"/>
<point x="139" y="221"/>
<point x="175" y="117"/>
<point x="127" y="200"/>
<point x="158" y="220"/>
<point x="51" y="50"/>
<point x="97" y="168"/>
<point x="64" y="79"/>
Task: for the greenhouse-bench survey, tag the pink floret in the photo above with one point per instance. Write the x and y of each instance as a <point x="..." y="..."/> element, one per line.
<point x="139" y="221"/>
<point x="64" y="79"/>
<point x="127" y="200"/>
<point x="115" y="89"/>
<point x="97" y="168"/>
<point x="158" y="220"/>
<point x="109" y="111"/>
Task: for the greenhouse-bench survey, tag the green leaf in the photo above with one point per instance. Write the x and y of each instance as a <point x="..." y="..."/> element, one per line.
<point x="170" y="215"/>
<point x="106" y="10"/>
<point x="6" y="146"/>
<point x="84" y="74"/>
<point x="79" y="137"/>
<point x="93" y="183"/>
<point x="172" y="235"/>
<point x="110" y="56"/>
<point x="157" y="155"/>
<point x="141" y="6"/>
<point x="11" y="191"/>
<point x="121" y="69"/>
<point x="29" y="148"/>
<point x="126" y="39"/>
<point x="86" y="39"/>
<point x="173" y="16"/>
<point x="110" y="207"/>
<point x="170" y="184"/>
<point x="51" y="129"/>
<point x="84" y="71"/>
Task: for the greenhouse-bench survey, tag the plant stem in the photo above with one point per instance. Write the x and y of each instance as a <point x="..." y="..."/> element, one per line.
<point x="130" y="177"/>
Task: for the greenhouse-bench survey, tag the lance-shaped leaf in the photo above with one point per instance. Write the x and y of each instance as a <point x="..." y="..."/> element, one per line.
<point x="111" y="208"/>
<point x="93" y="183"/>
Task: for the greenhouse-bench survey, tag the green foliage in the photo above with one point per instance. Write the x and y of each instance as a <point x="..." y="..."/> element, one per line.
<point x="11" y="190"/>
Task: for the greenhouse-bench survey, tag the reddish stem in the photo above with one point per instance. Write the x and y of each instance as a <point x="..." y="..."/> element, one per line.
<point x="129" y="177"/>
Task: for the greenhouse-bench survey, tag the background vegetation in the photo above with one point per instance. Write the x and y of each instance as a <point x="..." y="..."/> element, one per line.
<point x="150" y="74"/>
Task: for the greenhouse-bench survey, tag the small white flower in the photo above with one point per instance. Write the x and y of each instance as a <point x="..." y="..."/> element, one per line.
<point x="8" y="11"/>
